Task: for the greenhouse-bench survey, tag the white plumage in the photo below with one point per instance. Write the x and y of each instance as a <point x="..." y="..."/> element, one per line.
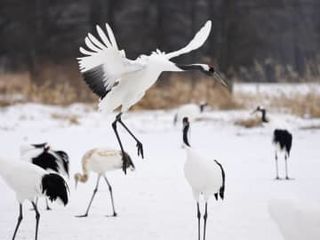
<point x="205" y="176"/>
<point x="30" y="182"/>
<point x="24" y="178"/>
<point x="100" y="161"/>
<point x="121" y="82"/>
<point x="191" y="110"/>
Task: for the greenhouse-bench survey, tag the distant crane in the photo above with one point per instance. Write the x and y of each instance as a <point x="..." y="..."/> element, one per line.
<point x="191" y="110"/>
<point x="30" y="182"/>
<point x="45" y="157"/>
<point x="282" y="139"/>
<point x="205" y="176"/>
<point x="100" y="161"/>
<point x="119" y="81"/>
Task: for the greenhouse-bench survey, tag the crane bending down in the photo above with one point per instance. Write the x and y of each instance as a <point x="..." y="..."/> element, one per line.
<point x="119" y="81"/>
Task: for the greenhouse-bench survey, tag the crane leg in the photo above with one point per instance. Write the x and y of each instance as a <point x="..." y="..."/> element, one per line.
<point x="277" y="170"/>
<point x="286" y="162"/>
<point x="205" y="216"/>
<point x="111" y="195"/>
<point x="91" y="200"/>
<point x="19" y="221"/>
<point x="139" y="144"/>
<point x="124" y="156"/>
<point x="199" y="217"/>
<point x="37" y="219"/>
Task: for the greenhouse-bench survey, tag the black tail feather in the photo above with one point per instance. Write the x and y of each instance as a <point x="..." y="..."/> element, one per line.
<point x="283" y="138"/>
<point x="54" y="187"/>
<point x="222" y="188"/>
<point x="65" y="160"/>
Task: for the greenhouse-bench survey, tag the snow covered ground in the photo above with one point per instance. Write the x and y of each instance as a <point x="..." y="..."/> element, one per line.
<point x="155" y="202"/>
<point x="277" y="89"/>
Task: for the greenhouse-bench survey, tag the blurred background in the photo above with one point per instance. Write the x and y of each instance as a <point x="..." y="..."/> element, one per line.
<point x="252" y="41"/>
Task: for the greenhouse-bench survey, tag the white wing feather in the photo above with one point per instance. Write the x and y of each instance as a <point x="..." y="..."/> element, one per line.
<point x="104" y="53"/>
<point x="195" y="43"/>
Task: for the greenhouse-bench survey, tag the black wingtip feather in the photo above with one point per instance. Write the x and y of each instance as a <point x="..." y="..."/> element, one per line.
<point x="55" y="187"/>
<point x="94" y="79"/>
<point x="46" y="161"/>
<point x="65" y="160"/>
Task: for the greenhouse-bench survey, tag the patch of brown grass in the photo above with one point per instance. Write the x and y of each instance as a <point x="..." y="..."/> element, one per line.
<point x="304" y="105"/>
<point x="180" y="90"/>
<point x="18" y="87"/>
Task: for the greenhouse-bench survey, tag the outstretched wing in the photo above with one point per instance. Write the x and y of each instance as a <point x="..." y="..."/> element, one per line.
<point x="195" y="43"/>
<point x="104" y="64"/>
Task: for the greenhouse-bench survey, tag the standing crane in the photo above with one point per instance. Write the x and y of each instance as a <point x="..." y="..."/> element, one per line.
<point x="205" y="176"/>
<point x="119" y="81"/>
<point x="282" y="139"/>
<point x="100" y="161"/>
<point x="30" y="182"/>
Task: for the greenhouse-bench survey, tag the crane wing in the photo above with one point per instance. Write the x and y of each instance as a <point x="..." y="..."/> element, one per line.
<point x="103" y="64"/>
<point x="197" y="41"/>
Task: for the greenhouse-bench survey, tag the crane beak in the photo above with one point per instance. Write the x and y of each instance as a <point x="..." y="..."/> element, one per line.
<point x="218" y="77"/>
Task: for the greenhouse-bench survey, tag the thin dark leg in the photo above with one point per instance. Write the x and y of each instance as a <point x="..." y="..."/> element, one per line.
<point x="286" y="162"/>
<point x="199" y="217"/>
<point x="139" y="144"/>
<point x="37" y="219"/>
<point x="277" y="170"/>
<point x="111" y="195"/>
<point x="47" y="203"/>
<point x="205" y="216"/>
<point x="124" y="158"/>
<point x="36" y="202"/>
<point x="93" y="195"/>
<point x="19" y="221"/>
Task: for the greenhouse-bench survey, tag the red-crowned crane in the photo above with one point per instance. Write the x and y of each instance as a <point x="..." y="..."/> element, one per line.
<point x="119" y="81"/>
<point x="30" y="182"/>
<point x="205" y="176"/>
<point x="282" y="139"/>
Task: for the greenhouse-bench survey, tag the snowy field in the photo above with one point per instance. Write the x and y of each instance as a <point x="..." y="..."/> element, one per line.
<point x="154" y="201"/>
<point x="277" y="89"/>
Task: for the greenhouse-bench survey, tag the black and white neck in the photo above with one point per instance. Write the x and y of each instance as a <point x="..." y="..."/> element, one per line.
<point x="185" y="131"/>
<point x="202" y="106"/>
<point x="264" y="115"/>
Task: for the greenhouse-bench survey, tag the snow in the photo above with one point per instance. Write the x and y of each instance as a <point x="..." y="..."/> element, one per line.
<point x="155" y="201"/>
<point x="277" y="89"/>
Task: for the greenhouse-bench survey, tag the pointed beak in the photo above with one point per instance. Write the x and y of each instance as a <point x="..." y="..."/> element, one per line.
<point x="218" y="77"/>
<point x="76" y="185"/>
